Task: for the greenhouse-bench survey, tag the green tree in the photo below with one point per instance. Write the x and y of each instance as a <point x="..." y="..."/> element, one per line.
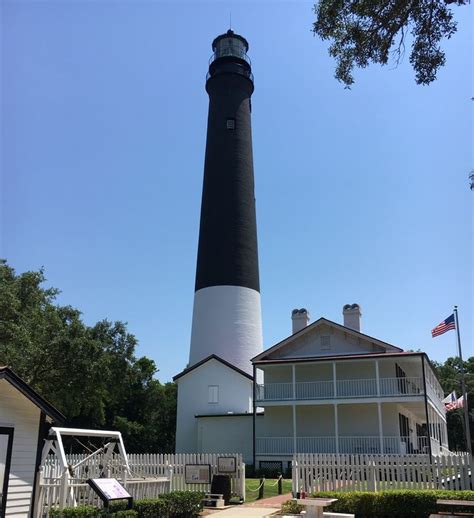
<point x="365" y="31"/>
<point x="449" y="374"/>
<point x="91" y="374"/>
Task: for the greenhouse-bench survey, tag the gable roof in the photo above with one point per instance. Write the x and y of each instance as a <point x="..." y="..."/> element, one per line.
<point x="205" y="360"/>
<point x="7" y="374"/>
<point x="322" y="320"/>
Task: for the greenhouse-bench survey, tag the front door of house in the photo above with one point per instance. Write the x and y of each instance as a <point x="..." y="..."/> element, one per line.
<point x="6" y="445"/>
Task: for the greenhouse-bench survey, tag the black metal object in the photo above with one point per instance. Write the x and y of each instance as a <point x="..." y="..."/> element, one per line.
<point x="221" y="486"/>
<point x="6" y="473"/>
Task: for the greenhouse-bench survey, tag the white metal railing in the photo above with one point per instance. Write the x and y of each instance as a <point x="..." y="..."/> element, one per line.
<point x="356" y="388"/>
<point x="274" y="391"/>
<point x="435" y="399"/>
<point x="353" y="388"/>
<point x="314" y="390"/>
<point x="401" y="386"/>
<point x="344" y="444"/>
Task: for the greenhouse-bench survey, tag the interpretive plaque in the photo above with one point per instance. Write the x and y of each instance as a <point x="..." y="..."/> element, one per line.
<point x="110" y="489"/>
<point x="226" y="464"/>
<point x="197" y="473"/>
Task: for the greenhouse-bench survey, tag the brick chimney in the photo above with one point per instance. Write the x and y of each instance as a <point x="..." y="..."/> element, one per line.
<point x="300" y="319"/>
<point x="352" y="316"/>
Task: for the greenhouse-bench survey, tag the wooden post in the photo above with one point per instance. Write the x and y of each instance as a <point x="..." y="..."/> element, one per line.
<point x="261" y="489"/>
<point x="280" y="484"/>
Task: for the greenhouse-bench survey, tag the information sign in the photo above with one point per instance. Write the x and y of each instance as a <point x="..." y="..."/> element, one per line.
<point x="110" y="489"/>
<point x="197" y="473"/>
<point x="226" y="464"/>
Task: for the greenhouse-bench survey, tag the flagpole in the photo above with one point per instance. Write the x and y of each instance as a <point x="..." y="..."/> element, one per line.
<point x="463" y="387"/>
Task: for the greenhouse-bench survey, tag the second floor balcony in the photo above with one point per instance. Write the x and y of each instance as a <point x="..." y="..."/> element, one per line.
<point x="340" y="389"/>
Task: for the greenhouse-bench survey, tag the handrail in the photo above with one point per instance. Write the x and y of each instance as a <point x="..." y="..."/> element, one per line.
<point x="229" y="51"/>
<point x="352" y="388"/>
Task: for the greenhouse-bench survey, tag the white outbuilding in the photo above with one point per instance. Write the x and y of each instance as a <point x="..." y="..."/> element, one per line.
<point x="25" y="418"/>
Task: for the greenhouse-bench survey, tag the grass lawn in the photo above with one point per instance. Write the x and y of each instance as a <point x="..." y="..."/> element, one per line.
<point x="271" y="488"/>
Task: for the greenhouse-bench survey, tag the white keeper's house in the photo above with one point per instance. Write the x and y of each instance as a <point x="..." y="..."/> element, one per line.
<point x="329" y="388"/>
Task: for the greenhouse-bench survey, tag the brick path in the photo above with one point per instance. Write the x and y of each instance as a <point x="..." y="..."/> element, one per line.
<point x="273" y="501"/>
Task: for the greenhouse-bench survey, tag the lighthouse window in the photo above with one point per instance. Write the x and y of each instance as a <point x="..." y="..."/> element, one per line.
<point x="230" y="124"/>
<point x="213" y="394"/>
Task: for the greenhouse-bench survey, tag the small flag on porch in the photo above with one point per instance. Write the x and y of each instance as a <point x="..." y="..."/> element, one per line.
<point x="459" y="403"/>
<point x="446" y="325"/>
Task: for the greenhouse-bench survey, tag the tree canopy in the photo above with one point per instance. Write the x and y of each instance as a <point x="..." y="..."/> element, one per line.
<point x="365" y="31"/>
<point x="90" y="373"/>
<point x="449" y="374"/>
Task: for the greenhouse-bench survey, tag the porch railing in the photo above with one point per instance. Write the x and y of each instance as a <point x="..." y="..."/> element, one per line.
<point x="344" y="444"/>
<point x="354" y="388"/>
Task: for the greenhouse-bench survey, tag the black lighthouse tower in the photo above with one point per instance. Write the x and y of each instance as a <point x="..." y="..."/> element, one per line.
<point x="227" y="313"/>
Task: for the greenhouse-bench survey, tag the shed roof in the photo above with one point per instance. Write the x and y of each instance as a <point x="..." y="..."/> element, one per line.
<point x="212" y="357"/>
<point x="7" y="374"/>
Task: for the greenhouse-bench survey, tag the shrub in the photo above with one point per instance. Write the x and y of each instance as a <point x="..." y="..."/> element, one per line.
<point x="178" y="504"/>
<point x="402" y="503"/>
<point x="151" y="507"/>
<point x="291" y="507"/>
<point x="83" y="511"/>
<point x="182" y="504"/>
<point x="249" y="471"/>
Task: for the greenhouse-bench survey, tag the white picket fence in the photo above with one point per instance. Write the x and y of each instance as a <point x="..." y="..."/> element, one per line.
<point x="325" y="472"/>
<point x="151" y="475"/>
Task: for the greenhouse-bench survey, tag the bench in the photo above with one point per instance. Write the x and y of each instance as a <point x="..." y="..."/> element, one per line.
<point x="315" y="506"/>
<point x="453" y="504"/>
<point x="213" y="500"/>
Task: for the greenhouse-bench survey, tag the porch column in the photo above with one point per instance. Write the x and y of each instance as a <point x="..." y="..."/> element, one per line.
<point x="379" y="412"/>
<point x="334" y="381"/>
<point x="336" y="427"/>
<point x="294" y="428"/>
<point x="377" y="376"/>
<point x="293" y="380"/>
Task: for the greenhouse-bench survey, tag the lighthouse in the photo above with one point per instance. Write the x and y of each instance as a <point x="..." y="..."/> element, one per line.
<point x="226" y="324"/>
<point x="227" y="313"/>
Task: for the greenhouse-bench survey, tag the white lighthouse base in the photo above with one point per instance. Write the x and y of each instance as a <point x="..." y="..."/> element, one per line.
<point x="227" y="322"/>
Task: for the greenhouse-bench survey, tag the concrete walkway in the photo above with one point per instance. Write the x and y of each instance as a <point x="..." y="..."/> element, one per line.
<point x="241" y="511"/>
<point x="258" y="509"/>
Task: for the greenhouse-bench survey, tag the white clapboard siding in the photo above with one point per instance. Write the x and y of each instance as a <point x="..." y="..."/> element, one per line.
<point x="331" y="472"/>
<point x="18" y="412"/>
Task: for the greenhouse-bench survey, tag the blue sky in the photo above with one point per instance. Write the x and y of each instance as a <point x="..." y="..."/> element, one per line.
<point x="362" y="194"/>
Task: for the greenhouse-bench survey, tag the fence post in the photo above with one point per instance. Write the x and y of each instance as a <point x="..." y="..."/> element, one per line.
<point x="294" y="475"/>
<point x="64" y="489"/>
<point x="280" y="484"/>
<point x="242" y="481"/>
<point x="261" y="489"/>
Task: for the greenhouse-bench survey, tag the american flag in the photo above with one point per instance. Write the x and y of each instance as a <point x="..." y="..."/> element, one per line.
<point x="459" y="403"/>
<point x="446" y="325"/>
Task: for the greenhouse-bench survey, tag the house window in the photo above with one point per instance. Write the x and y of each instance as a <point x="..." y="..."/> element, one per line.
<point x="213" y="394"/>
<point x="230" y="124"/>
<point x="325" y="343"/>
